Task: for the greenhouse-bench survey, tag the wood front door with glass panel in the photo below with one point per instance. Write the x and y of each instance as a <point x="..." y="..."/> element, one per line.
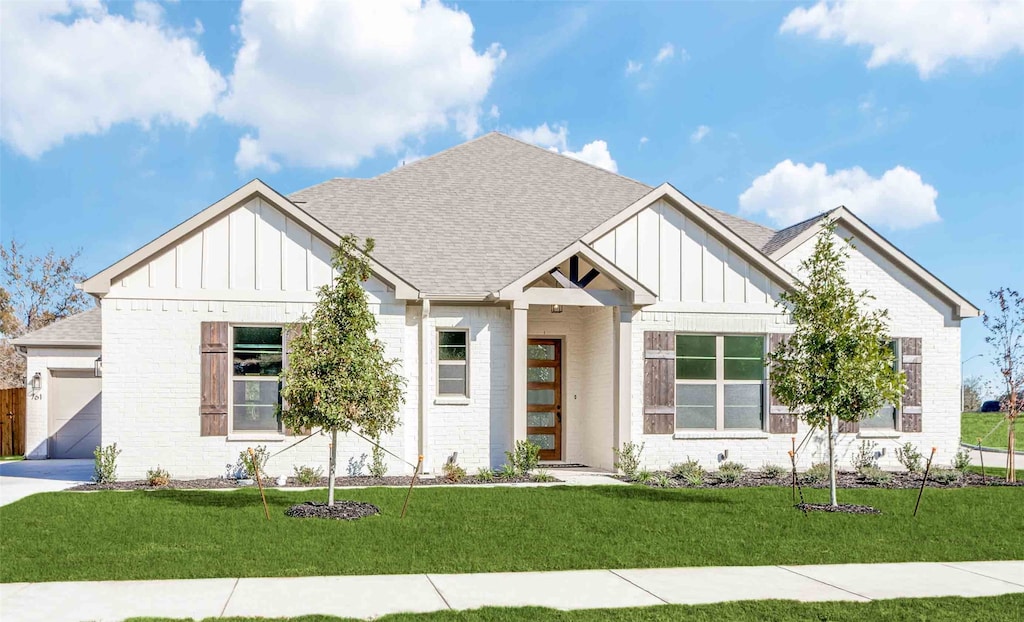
<point x="544" y="396"/>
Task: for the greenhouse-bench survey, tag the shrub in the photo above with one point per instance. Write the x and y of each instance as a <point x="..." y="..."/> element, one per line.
<point x="694" y="478"/>
<point x="524" y="457"/>
<point x="682" y="469"/>
<point x="945" y="476"/>
<point x="257" y="461"/>
<point x="817" y="473"/>
<point x="543" y="476"/>
<point x="865" y="456"/>
<point x="105" y="467"/>
<point x="730" y="472"/>
<point x="507" y="471"/>
<point x="642" y="476"/>
<point x="158" y="477"/>
<point x="773" y="471"/>
<point x="627" y="459"/>
<point x="962" y="460"/>
<point x="453" y="472"/>
<point x="485" y="474"/>
<point x="874" y="475"/>
<point x="662" y="480"/>
<point x="379" y="468"/>
<point x="307" y="475"/>
<point x="909" y="457"/>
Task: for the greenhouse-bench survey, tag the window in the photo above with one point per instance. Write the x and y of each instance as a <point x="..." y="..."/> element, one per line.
<point x="256" y="363"/>
<point x="452" y="354"/>
<point x="719" y="382"/>
<point x="885" y="417"/>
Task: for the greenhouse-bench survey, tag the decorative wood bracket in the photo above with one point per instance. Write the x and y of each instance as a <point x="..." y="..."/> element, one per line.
<point x="574" y="281"/>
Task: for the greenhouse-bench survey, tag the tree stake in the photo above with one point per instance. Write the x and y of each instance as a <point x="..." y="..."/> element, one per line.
<point x="259" y="481"/>
<point x="927" y="468"/>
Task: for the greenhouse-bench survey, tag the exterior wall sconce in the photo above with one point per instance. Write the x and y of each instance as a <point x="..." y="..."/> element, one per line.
<point x="556" y="308"/>
<point x="97" y="367"/>
<point x="37" y="382"/>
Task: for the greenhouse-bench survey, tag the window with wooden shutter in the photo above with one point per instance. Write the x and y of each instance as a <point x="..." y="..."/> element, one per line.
<point x="215" y="373"/>
<point x="780" y="420"/>
<point x="659" y="382"/>
<point x="910" y="417"/>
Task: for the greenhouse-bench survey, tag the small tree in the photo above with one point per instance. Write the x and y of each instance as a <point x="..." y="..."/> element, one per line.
<point x="1006" y="336"/>
<point x="836" y="366"/>
<point x="34" y="291"/>
<point x="337" y="377"/>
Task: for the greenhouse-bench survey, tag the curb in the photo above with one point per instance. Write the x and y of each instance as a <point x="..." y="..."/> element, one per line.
<point x="993" y="450"/>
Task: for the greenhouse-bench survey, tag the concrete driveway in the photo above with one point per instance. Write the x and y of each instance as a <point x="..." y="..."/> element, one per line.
<point x="27" y="477"/>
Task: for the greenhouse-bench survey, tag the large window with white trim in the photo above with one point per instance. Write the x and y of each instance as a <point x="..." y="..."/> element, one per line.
<point x="720" y="382"/>
<point x="256" y="357"/>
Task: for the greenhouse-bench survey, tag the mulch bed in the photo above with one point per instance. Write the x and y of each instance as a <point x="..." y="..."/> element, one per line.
<point x="342" y="482"/>
<point x="845" y="508"/>
<point x="341" y="510"/>
<point x="844" y="479"/>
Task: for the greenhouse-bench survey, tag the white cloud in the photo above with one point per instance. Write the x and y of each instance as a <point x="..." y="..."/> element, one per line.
<point x="791" y="192"/>
<point x="632" y="67"/>
<point x="595" y="153"/>
<point x="666" y="52"/>
<point x="700" y="133"/>
<point x="250" y="155"/>
<point x="329" y="83"/>
<point x="74" y="69"/>
<point x="494" y="113"/>
<point x="924" y="33"/>
<point x="556" y="139"/>
<point x="644" y="140"/>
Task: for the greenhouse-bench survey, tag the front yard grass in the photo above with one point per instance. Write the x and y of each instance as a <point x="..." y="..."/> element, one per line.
<point x="978" y="425"/>
<point x="948" y="609"/>
<point x="190" y="534"/>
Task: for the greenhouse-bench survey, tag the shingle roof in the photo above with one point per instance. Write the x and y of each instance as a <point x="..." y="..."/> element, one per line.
<point x="81" y="329"/>
<point x="782" y="236"/>
<point x="472" y="219"/>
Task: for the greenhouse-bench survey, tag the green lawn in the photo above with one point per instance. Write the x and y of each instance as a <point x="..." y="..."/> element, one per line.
<point x="188" y="534"/>
<point x="979" y="425"/>
<point x="997" y="470"/>
<point x="992" y="609"/>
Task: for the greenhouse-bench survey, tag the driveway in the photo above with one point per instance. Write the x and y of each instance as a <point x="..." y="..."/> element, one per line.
<point x="27" y="477"/>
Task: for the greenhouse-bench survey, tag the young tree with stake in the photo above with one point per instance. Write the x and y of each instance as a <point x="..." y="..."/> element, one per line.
<point x="836" y="366"/>
<point x="1006" y="336"/>
<point x="337" y="377"/>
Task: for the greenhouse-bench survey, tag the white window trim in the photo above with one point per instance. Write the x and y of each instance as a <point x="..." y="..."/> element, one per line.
<point x="455" y="399"/>
<point x="250" y="435"/>
<point x="720" y="382"/>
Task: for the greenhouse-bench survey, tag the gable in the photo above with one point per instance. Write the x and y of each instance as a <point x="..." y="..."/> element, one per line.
<point x="251" y="245"/>
<point x="682" y="260"/>
<point x="251" y="251"/>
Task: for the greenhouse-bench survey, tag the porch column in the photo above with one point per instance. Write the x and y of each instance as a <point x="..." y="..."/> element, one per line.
<point x="623" y="374"/>
<point x="424" y="370"/>
<point x="519" y="337"/>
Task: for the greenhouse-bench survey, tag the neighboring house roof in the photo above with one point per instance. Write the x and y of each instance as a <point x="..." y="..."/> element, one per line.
<point x="81" y="329"/>
<point x="472" y="219"/>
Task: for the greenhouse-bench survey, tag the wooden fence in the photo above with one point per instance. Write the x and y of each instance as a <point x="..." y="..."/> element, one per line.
<point x="12" y="422"/>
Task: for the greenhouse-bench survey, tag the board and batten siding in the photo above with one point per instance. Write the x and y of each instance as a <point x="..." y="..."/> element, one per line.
<point x="253" y="248"/>
<point x="681" y="261"/>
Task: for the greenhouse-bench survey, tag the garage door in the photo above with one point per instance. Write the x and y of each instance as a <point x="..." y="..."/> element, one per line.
<point x="74" y="413"/>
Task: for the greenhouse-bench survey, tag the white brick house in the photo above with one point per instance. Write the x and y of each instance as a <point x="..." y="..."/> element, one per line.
<point x="527" y="295"/>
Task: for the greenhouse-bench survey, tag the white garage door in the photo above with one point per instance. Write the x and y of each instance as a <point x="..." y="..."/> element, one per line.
<point x="75" y="405"/>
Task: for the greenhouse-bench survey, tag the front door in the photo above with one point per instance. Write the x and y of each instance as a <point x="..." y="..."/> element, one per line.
<point x="544" y="396"/>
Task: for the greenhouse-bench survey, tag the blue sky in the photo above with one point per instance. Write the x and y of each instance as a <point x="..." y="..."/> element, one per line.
<point x="121" y="120"/>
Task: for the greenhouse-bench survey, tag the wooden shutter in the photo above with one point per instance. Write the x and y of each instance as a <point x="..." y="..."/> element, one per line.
<point x="910" y="358"/>
<point x="780" y="420"/>
<point x="659" y="382"/>
<point x="287" y="334"/>
<point x="215" y="378"/>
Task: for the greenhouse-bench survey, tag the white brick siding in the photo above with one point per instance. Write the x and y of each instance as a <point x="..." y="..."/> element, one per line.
<point x="151" y="388"/>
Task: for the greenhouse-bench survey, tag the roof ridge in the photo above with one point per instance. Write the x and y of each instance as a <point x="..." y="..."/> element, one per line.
<point x="577" y="160"/>
<point x="807" y="220"/>
<point x="431" y="156"/>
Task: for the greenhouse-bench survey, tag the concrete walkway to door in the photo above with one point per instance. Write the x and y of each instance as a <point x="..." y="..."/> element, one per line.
<point x="21" y="478"/>
<point x="375" y="596"/>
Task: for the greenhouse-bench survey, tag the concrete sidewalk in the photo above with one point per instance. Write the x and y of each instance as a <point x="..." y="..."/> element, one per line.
<point x="373" y="596"/>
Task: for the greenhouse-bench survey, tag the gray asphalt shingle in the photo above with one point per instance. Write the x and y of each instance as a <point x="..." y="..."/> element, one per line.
<point x="82" y="328"/>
